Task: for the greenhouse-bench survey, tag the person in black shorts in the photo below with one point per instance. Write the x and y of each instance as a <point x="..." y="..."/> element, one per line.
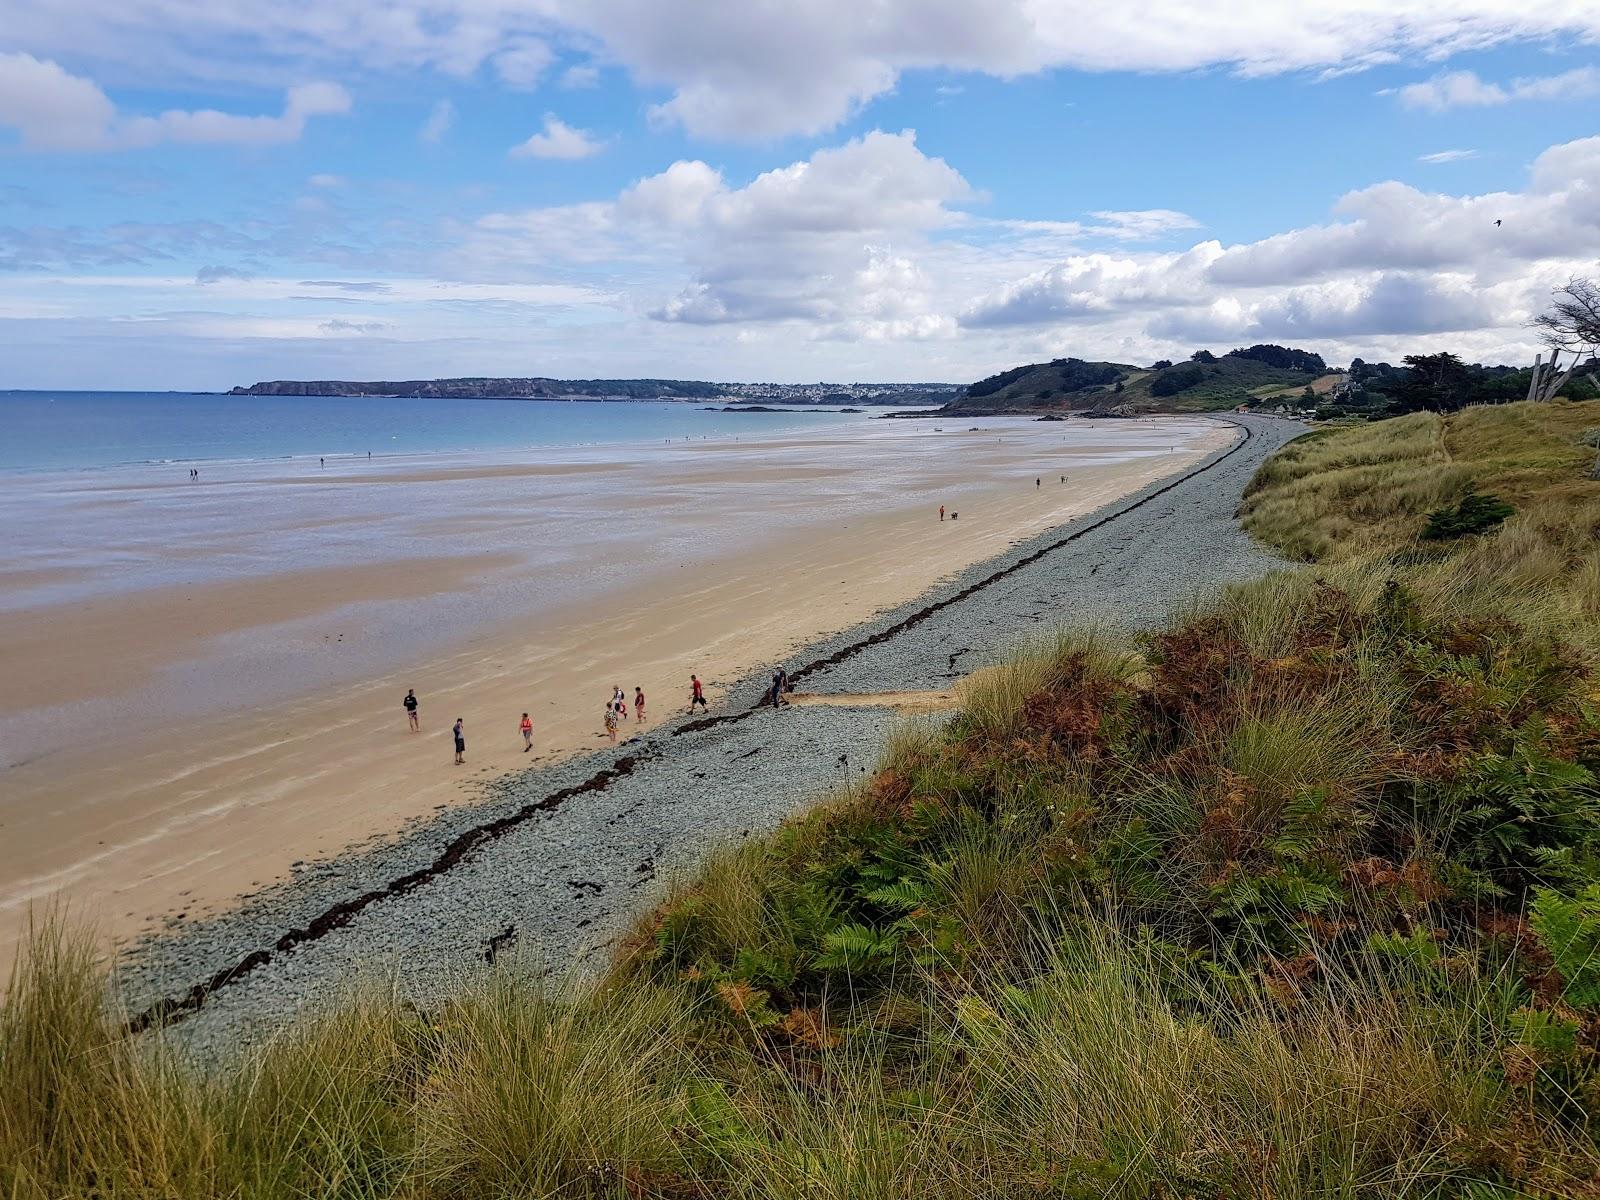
<point x="410" y="703"/>
<point x="697" y="693"/>
<point x="460" y="732"/>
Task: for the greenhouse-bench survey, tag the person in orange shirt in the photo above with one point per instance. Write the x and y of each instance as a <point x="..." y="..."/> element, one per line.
<point x="527" y="733"/>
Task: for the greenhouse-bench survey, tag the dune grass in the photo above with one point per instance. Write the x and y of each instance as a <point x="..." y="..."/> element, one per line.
<point x="1294" y="898"/>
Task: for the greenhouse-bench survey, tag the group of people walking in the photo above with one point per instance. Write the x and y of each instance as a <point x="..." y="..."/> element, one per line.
<point x="617" y="709"/>
<point x="616" y="714"/>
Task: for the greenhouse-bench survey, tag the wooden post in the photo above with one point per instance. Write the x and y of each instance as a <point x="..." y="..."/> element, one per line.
<point x="1533" y="383"/>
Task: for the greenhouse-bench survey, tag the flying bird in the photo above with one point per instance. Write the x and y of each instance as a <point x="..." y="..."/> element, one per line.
<point x="1497" y="222"/>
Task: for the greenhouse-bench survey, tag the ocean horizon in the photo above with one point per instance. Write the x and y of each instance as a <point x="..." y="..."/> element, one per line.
<point x="72" y="430"/>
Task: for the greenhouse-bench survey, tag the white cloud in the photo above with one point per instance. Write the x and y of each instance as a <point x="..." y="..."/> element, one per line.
<point x="803" y="68"/>
<point x="385" y="295"/>
<point x="340" y="326"/>
<point x="760" y="70"/>
<point x="327" y="181"/>
<point x="1399" y="263"/>
<point x="581" y="75"/>
<point x="833" y="240"/>
<point x="54" y="110"/>
<point x="1464" y="89"/>
<point x="50" y="108"/>
<point x="523" y="63"/>
<point x="869" y="243"/>
<point x="826" y="266"/>
<point x="1144" y="224"/>
<point x="1447" y="156"/>
<point x="214" y="274"/>
<point x="440" y="118"/>
<point x="558" y="140"/>
<point x="811" y="241"/>
<point x="208" y="126"/>
<point x="1387" y="302"/>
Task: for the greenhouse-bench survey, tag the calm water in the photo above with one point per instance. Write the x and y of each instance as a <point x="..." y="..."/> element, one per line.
<point x="66" y="430"/>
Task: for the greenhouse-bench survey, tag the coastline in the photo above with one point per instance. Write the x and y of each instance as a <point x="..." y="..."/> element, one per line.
<point x="552" y="864"/>
<point x="179" y="827"/>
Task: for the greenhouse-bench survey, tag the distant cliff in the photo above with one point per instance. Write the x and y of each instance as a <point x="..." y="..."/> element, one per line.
<point x="535" y="388"/>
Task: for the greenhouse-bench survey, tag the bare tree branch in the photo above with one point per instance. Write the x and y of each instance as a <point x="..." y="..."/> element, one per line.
<point x="1573" y="321"/>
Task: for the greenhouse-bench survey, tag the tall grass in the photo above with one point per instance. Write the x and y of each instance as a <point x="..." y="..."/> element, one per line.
<point x="527" y="1094"/>
<point x="1093" y="1071"/>
<point x="1111" y="1070"/>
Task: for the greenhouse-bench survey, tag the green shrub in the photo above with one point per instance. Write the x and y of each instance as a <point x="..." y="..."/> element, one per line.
<point x="1474" y="513"/>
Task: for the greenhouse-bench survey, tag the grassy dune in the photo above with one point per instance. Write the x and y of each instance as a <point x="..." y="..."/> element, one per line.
<point x="1294" y="898"/>
<point x="1354" y="501"/>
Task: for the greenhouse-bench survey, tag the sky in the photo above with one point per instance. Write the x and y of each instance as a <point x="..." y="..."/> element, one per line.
<point x="194" y="196"/>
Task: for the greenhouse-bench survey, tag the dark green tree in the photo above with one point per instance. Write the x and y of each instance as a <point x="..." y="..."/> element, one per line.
<point x="1435" y="382"/>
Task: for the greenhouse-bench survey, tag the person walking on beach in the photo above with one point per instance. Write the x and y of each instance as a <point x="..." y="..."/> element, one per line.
<point x="697" y="693"/>
<point x="941" y="512"/>
<point x="459" y="732"/>
<point x="323" y="463"/>
<point x="611" y="722"/>
<point x="527" y="733"/>
<point x="780" y="680"/>
<point x="410" y="703"/>
<point x="638" y="706"/>
<point x="1037" y="483"/>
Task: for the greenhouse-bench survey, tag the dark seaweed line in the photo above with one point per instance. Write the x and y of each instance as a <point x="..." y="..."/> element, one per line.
<point x="172" y="1009"/>
<point x="966" y="593"/>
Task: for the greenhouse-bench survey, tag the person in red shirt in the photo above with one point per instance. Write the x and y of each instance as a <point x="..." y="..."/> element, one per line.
<point x="638" y="706"/>
<point x="941" y="512"/>
<point x="697" y="693"/>
<point x="527" y="733"/>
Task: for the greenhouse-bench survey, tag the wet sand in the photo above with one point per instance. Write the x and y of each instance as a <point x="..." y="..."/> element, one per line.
<point x="164" y="818"/>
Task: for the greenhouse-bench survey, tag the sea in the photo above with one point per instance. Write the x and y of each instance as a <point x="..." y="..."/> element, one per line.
<point x="45" y="431"/>
<point x="246" y="534"/>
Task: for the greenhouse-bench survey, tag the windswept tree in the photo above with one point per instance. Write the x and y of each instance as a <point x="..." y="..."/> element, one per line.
<point x="1436" y="382"/>
<point x="1571" y="326"/>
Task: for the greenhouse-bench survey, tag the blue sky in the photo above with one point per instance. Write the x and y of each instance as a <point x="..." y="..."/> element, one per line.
<point x="201" y="196"/>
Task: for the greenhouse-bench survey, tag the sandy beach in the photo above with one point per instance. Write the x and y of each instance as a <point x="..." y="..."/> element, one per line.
<point x="180" y="765"/>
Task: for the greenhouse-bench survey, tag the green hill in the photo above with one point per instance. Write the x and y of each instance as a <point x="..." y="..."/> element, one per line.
<point x="1203" y="384"/>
